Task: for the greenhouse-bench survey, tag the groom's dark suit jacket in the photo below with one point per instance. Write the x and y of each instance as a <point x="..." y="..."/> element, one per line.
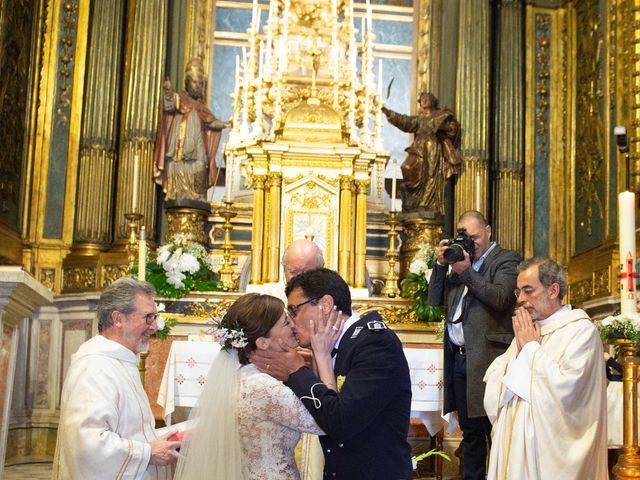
<point x="367" y="422"/>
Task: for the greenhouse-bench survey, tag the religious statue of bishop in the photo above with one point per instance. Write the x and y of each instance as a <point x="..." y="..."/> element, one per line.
<point x="187" y="139"/>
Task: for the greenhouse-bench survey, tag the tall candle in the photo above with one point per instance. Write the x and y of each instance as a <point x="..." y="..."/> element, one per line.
<point x="393" y="185"/>
<point x="136" y="178"/>
<point x="478" y="206"/>
<point x="627" y="231"/>
<point x="380" y="76"/>
<point x="228" y="189"/>
<point x="142" y="254"/>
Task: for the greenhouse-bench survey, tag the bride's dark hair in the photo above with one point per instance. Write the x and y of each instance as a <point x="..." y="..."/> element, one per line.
<point x="255" y="314"/>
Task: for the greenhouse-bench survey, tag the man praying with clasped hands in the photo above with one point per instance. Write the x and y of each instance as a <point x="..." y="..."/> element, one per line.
<point x="546" y="395"/>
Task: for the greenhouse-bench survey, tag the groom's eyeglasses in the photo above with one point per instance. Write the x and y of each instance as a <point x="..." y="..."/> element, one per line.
<point x="294" y="309"/>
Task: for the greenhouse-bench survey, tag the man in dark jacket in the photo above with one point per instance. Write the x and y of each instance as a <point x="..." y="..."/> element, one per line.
<point x="478" y="295"/>
<point x="367" y="419"/>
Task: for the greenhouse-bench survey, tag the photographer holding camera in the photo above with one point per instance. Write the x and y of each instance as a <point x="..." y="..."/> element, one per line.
<point x="477" y="292"/>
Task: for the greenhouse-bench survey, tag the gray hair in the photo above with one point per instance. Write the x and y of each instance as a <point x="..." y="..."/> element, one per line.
<point x="121" y="296"/>
<point x="549" y="272"/>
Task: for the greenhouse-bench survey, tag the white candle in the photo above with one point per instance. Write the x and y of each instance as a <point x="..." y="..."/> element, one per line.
<point x="478" y="191"/>
<point x="136" y="178"/>
<point x="380" y="76"/>
<point x="142" y="254"/>
<point x="254" y="15"/>
<point x="228" y="189"/>
<point x="627" y="231"/>
<point x="393" y="185"/>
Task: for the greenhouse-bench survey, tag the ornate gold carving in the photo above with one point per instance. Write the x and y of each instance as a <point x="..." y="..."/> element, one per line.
<point x="48" y="277"/>
<point x="581" y="290"/>
<point x="590" y="135"/>
<point x="543" y="82"/>
<point x="110" y="273"/>
<point x="346" y="182"/>
<point x="602" y="282"/>
<point x="187" y="222"/>
<point x="313" y="198"/>
<point x="79" y="278"/>
<point x="16" y="24"/>
<point x="210" y="308"/>
<point x="417" y="231"/>
<point x="362" y="186"/>
<point x="424" y="48"/>
<point x="69" y="19"/>
<point x="332" y="181"/>
<point x="275" y="179"/>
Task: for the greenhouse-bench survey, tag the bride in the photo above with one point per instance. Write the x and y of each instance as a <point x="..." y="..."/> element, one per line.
<point x="246" y="423"/>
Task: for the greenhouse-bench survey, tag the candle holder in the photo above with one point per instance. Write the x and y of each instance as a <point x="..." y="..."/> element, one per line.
<point x="133" y="221"/>
<point x="391" y="285"/>
<point x="628" y="465"/>
<point x="227" y="276"/>
<point x="142" y="366"/>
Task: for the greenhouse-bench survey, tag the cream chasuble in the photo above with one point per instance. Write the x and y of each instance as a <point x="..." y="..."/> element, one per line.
<point x="548" y="405"/>
<point x="106" y="422"/>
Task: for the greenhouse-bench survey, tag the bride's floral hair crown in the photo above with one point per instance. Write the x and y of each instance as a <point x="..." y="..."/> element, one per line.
<point x="229" y="336"/>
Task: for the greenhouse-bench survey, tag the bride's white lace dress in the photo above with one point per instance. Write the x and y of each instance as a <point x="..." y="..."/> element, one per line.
<point x="270" y="419"/>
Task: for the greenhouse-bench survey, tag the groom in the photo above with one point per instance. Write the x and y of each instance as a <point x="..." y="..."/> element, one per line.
<point x="367" y="420"/>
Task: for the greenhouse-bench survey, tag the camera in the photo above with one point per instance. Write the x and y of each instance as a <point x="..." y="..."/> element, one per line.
<point x="457" y="246"/>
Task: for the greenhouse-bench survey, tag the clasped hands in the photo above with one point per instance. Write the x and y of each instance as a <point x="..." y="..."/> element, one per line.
<point x="324" y="332"/>
<point x="524" y="328"/>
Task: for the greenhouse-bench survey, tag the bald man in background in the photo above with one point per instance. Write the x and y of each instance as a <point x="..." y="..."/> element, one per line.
<point x="301" y="255"/>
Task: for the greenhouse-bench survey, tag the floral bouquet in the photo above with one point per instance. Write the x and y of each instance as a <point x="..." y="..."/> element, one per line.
<point x="164" y="324"/>
<point x="182" y="266"/>
<point x="416" y="285"/>
<point x="623" y="326"/>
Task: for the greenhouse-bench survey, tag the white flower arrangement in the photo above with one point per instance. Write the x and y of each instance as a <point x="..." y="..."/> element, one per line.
<point x="180" y="267"/>
<point x="182" y="257"/>
<point x="416" y="284"/>
<point x="622" y="326"/>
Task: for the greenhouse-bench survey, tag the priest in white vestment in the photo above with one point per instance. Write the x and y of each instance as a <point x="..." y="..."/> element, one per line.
<point x="546" y="395"/>
<point x="106" y="428"/>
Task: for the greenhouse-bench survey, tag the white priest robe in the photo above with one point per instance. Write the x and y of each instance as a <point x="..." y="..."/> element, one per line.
<point x="548" y="405"/>
<point x="106" y="422"/>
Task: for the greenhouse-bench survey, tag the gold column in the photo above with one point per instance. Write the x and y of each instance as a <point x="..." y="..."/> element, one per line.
<point x="472" y="103"/>
<point x="633" y="95"/>
<point x="275" y="191"/>
<point x="345" y="252"/>
<point x="54" y="138"/>
<point x="362" y="189"/>
<point x="256" y="236"/>
<point x="98" y="142"/>
<point x="428" y="51"/>
<point x="143" y="77"/>
<point x="509" y="131"/>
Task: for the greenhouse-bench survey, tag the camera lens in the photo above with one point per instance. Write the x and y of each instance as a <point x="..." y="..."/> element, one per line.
<point x="454" y="253"/>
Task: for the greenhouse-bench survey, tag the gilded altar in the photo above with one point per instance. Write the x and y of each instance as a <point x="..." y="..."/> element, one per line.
<point x="306" y="138"/>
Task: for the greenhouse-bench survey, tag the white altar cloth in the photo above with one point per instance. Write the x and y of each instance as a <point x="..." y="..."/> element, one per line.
<point x="185" y="374"/>
<point x="188" y="364"/>
<point x="426" y="370"/>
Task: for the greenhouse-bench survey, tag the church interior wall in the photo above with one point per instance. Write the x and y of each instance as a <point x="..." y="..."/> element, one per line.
<point x="567" y="173"/>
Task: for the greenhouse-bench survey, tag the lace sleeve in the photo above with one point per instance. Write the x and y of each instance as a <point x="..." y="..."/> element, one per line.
<point x="271" y="400"/>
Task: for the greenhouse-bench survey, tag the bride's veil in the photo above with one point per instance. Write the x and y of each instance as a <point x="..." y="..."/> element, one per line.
<point x="213" y="448"/>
